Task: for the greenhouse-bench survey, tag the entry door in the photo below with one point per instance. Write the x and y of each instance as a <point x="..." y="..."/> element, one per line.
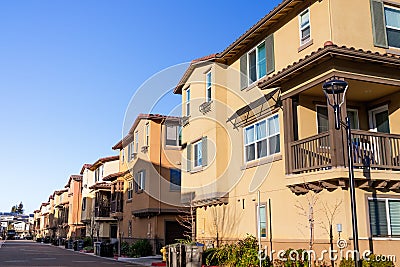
<point x="379" y="120"/>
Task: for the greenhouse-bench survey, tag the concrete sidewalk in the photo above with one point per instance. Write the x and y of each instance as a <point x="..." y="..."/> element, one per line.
<point x="144" y="261"/>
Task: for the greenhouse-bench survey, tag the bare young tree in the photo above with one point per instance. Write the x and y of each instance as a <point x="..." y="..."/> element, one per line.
<point x="187" y="219"/>
<point x="308" y="210"/>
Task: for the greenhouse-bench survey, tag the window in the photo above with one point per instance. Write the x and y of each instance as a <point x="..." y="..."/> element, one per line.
<point x="257" y="67"/>
<point x="140" y="181"/>
<point x="198" y="154"/>
<point x="262" y="139"/>
<point x="392" y="17"/>
<point x="175" y="180"/>
<point x="208" y="86"/>
<point x="262" y="226"/>
<point x="84" y="203"/>
<point x="188" y="102"/>
<point x="123" y="155"/>
<point x="129" y="228"/>
<point x="147" y="137"/>
<point x="98" y="173"/>
<point x="131" y="152"/>
<point x="379" y="119"/>
<point x="384" y="215"/>
<point x="305" y="29"/>
<point x="173" y="135"/>
<point x="323" y="122"/>
<point x="136" y="148"/>
<point x="130" y="189"/>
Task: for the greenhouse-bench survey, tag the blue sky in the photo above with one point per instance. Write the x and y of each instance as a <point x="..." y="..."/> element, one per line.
<point x="68" y="70"/>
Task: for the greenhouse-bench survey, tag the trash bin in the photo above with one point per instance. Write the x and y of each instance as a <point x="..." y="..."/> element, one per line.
<point x="80" y="245"/>
<point x="97" y="248"/>
<point x="69" y="244"/>
<point x="106" y="250"/>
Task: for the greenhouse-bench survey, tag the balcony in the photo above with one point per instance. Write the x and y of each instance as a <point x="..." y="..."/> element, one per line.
<point x="102" y="211"/>
<point x="370" y="149"/>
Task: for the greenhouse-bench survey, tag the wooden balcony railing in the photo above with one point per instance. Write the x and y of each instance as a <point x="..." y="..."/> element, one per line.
<point x="370" y="149"/>
<point x="102" y="211"/>
<point x="312" y="153"/>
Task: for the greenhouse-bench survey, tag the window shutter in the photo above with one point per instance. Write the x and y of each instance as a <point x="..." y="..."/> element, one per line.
<point x="243" y="72"/>
<point x="188" y="157"/>
<point x="270" y="53"/>
<point x="378" y="23"/>
<point x="136" y="183"/>
<point x="204" y="151"/>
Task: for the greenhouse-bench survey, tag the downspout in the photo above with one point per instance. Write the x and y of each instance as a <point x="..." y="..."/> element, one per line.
<point x="159" y="176"/>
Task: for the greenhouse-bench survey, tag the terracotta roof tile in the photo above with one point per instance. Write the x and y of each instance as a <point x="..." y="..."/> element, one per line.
<point x="113" y="176"/>
<point x="85" y="166"/>
<point x="102" y="161"/>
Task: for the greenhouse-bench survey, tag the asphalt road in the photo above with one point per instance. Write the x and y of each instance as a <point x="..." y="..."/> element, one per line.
<point x="29" y="253"/>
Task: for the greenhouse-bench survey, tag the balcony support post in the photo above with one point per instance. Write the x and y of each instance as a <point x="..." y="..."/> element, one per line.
<point x="337" y="138"/>
<point x="288" y="133"/>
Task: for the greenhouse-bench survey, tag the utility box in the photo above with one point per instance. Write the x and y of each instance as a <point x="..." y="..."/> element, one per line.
<point x="184" y="255"/>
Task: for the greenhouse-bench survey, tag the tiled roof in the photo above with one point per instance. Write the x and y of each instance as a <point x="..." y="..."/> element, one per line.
<point x="113" y="176"/>
<point x="154" y="117"/>
<point x="85" y="166"/>
<point x="59" y="192"/>
<point x="101" y="185"/>
<point x="329" y="49"/>
<point x="102" y="161"/>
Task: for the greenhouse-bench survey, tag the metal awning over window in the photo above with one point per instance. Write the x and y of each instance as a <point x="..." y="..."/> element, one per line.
<point x="256" y="109"/>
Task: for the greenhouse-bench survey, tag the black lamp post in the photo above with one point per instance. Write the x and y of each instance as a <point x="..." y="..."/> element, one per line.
<point x="335" y="92"/>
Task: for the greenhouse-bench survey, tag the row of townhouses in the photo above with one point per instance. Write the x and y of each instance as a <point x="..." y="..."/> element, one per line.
<point x="15" y="225"/>
<point x="257" y="149"/>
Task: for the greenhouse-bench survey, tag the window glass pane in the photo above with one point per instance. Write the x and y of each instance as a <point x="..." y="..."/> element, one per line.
<point x="322" y="119"/>
<point x="261" y="130"/>
<point x="198" y="154"/>
<point x="262" y="148"/>
<point x="394" y="212"/>
<point x="263" y="221"/>
<point x="250" y="152"/>
<point x="305" y="33"/>
<point x="392" y="17"/>
<point x="382" y="121"/>
<point x="249" y="135"/>
<point x="187" y="95"/>
<point x="262" y="67"/>
<point x="353" y="116"/>
<point x="252" y="67"/>
<point x="274" y="144"/>
<point x="377" y="216"/>
<point x="305" y="18"/>
<point x="208" y="80"/>
<point x="273" y="125"/>
<point x="393" y="37"/>
<point x="175" y="179"/>
<point x="172" y="135"/>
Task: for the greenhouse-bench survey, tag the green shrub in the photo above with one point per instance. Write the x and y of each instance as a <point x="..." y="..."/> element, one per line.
<point x="125" y="248"/>
<point x="140" y="248"/>
<point x="87" y="241"/>
<point x="295" y="260"/>
<point x="88" y="248"/>
<point x="371" y="262"/>
<point x="243" y="253"/>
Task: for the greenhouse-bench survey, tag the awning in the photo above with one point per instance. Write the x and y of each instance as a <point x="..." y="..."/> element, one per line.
<point x="256" y="109"/>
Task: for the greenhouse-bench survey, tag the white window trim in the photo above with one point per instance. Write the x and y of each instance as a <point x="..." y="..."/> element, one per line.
<point x="303" y="42"/>
<point x="248" y="63"/>
<point x="136" y="142"/>
<point x="387" y="215"/>
<point x="372" y="122"/>
<point x="141" y="182"/>
<point x="130" y="188"/>
<point x="390" y="27"/>
<point x="147" y="134"/>
<point x="197" y="167"/>
<point x="267" y="137"/>
<point x="209" y="87"/>
<point x="187" y="101"/>
<point x="178" y="131"/>
<point x="258" y="212"/>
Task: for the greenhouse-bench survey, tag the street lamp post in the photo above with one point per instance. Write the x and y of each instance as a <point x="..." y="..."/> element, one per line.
<point x="335" y="91"/>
